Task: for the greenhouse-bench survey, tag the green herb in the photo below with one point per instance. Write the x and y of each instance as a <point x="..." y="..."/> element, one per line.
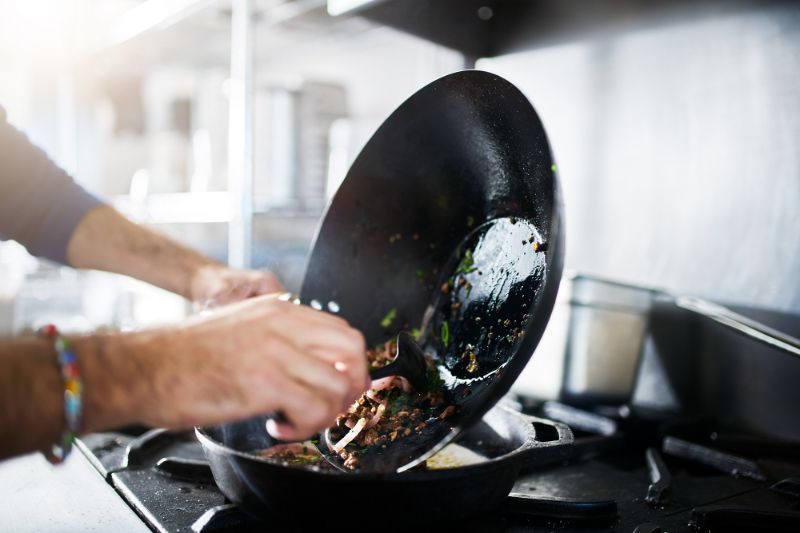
<point x="305" y="460"/>
<point x="553" y="167"/>
<point x="467" y="264"/>
<point x="470" y="221"/>
<point x="435" y="382"/>
<point x="398" y="403"/>
<point x="469" y="289"/>
<point x="389" y="318"/>
<point x="420" y="275"/>
<point x="446" y="334"/>
<point x="416" y="333"/>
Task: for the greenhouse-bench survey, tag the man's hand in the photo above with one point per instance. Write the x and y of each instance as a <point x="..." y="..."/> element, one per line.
<point x="253" y="357"/>
<point x="215" y="285"/>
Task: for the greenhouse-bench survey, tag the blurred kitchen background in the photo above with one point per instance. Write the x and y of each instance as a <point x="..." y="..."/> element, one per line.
<point x="675" y="126"/>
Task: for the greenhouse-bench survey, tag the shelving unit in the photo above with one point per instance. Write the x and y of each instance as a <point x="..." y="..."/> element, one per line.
<point x="155" y="31"/>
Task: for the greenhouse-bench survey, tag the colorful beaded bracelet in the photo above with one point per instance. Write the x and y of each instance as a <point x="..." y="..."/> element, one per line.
<point x="73" y="388"/>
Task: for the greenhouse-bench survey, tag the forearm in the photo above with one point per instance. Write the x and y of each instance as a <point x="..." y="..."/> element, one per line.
<point x="248" y="358"/>
<point x="32" y="390"/>
<point x="105" y="240"/>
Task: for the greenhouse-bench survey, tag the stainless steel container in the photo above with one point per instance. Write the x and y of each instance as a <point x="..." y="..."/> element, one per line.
<point x="591" y="348"/>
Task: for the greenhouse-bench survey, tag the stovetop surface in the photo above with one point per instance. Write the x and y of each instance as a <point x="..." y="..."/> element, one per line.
<point x="642" y="475"/>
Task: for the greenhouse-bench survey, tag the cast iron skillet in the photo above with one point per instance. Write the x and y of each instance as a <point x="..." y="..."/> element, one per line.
<point x="457" y="186"/>
<point x="297" y="498"/>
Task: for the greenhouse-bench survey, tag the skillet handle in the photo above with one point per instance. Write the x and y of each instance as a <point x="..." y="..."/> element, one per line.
<point x="549" y="442"/>
<point x="384" y="371"/>
<point x="741" y="324"/>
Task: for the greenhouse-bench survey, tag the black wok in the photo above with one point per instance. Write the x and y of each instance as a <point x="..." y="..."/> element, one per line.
<point x="457" y="187"/>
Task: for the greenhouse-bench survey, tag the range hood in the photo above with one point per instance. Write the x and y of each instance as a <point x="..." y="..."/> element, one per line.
<point x="487" y="28"/>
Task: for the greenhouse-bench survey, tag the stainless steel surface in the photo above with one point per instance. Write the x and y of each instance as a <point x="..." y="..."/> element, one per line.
<point x="240" y="134"/>
<point x="693" y="364"/>
<point x="71" y="497"/>
<point x="592" y="344"/>
<point x="741" y="324"/>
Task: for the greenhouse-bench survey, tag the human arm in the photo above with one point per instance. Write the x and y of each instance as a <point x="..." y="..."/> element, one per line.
<point x="43" y="208"/>
<point x="248" y="358"/>
<point x="105" y="240"/>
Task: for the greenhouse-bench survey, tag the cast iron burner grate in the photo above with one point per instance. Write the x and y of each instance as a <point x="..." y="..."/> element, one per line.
<point x="626" y="473"/>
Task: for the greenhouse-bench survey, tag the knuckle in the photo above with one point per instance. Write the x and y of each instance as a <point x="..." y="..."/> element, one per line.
<point x="338" y="384"/>
<point x="318" y="414"/>
<point x="357" y="338"/>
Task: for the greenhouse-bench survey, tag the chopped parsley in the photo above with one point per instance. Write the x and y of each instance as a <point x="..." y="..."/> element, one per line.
<point x="420" y="274"/>
<point x="389" y="318"/>
<point x="467" y="264"/>
<point x="435" y="382"/>
<point x="305" y="460"/>
<point x="470" y="221"/>
<point x="416" y="333"/>
<point x="446" y="334"/>
<point x="398" y="403"/>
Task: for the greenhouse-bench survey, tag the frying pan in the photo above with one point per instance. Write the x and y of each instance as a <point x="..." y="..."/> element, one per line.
<point x="448" y="221"/>
<point x="298" y="498"/>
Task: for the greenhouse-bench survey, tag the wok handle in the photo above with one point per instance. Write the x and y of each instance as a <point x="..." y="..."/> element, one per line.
<point x="741" y="324"/>
<point x="384" y="371"/>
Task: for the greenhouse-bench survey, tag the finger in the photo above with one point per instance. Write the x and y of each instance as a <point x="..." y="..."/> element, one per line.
<point x="343" y="349"/>
<point x="224" y="297"/>
<point x="310" y="328"/>
<point x="319" y="375"/>
<point x="266" y="283"/>
<point x="314" y="316"/>
<point x="305" y="412"/>
<point x="355" y="372"/>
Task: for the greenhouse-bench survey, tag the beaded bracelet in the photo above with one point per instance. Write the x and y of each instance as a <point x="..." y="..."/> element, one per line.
<point x="73" y="387"/>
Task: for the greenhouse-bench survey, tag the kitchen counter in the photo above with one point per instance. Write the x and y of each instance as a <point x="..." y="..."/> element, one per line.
<point x="37" y="496"/>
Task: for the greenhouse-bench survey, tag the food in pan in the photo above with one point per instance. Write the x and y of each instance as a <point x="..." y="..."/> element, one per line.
<point x="454" y="456"/>
<point x="388" y="412"/>
<point x="385" y="414"/>
<point x="306" y="454"/>
<point x="295" y="453"/>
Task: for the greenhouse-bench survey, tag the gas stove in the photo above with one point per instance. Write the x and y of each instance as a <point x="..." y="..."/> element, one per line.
<point x="628" y="471"/>
<point x="730" y="462"/>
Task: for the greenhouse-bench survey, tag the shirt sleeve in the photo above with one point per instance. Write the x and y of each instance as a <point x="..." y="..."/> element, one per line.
<point x="40" y="204"/>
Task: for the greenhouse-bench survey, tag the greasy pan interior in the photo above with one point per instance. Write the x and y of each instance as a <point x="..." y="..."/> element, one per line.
<point x="449" y="221"/>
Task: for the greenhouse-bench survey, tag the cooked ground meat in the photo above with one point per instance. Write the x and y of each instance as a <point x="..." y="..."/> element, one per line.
<point x="382" y="416"/>
<point x="391" y="413"/>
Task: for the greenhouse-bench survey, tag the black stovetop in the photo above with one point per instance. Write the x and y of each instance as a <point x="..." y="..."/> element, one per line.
<point x="628" y="472"/>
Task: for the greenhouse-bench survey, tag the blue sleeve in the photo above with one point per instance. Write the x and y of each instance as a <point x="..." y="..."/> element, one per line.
<point x="40" y="204"/>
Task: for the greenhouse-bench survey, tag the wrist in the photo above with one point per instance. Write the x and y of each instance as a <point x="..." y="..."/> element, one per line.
<point x="202" y="281"/>
<point x="115" y="380"/>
